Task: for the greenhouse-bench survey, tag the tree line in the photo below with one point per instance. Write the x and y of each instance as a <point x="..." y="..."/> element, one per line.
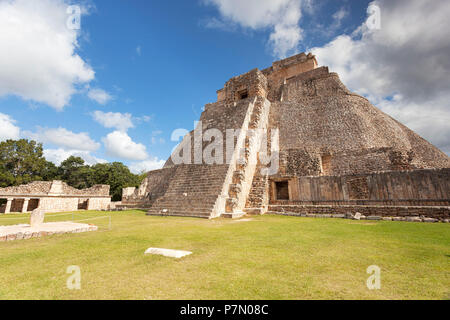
<point x="22" y="161"/>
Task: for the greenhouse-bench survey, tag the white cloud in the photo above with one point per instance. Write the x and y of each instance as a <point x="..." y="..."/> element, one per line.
<point x="145" y="118"/>
<point x="117" y="120"/>
<point x="59" y="155"/>
<point x="146" y="165"/>
<point x="8" y="129"/>
<point x="38" y="60"/>
<point x="281" y="16"/>
<point x="403" y="67"/>
<point x="214" y="23"/>
<point x="139" y="50"/>
<point x="340" y="15"/>
<point x="99" y="95"/>
<point x="119" y="144"/>
<point x="64" y="138"/>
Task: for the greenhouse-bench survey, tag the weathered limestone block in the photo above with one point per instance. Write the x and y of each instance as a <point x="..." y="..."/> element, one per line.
<point x="37" y="217"/>
<point x="177" y="254"/>
<point x="413" y="219"/>
<point x="238" y="176"/>
<point x="231" y="204"/>
<point x="234" y="189"/>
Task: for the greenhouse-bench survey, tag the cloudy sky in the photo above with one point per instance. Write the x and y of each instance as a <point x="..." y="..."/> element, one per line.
<point x="114" y="85"/>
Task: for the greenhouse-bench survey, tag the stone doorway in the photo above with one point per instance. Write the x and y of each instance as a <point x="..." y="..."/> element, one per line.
<point x="83" y="204"/>
<point x="17" y="205"/>
<point x="3" y="205"/>
<point x="282" y="190"/>
<point x="32" y="204"/>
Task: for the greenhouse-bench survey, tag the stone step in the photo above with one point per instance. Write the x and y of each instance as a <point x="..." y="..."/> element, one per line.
<point x="253" y="211"/>
<point x="171" y="202"/>
<point x="175" y="210"/>
<point x="178" y="207"/>
<point x="181" y="214"/>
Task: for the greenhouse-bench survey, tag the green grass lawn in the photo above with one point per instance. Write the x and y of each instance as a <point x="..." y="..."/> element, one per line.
<point x="269" y="257"/>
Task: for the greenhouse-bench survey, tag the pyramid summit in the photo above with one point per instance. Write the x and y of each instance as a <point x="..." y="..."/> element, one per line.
<point x="293" y="139"/>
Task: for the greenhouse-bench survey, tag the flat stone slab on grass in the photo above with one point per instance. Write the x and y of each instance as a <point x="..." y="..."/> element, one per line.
<point x="25" y="231"/>
<point x="242" y="220"/>
<point x="168" y="252"/>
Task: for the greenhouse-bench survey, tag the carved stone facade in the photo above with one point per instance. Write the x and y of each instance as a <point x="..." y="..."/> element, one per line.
<point x="332" y="144"/>
<point x="53" y="196"/>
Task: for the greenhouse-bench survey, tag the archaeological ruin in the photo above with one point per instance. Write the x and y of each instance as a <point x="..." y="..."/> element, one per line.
<point x="330" y="151"/>
<point x="53" y="196"/>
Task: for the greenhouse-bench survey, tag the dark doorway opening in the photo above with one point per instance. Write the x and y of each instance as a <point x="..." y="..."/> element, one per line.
<point x="3" y="205"/>
<point x="33" y="204"/>
<point x="243" y="94"/>
<point x="17" y="205"/>
<point x="282" y="190"/>
<point x="83" y="204"/>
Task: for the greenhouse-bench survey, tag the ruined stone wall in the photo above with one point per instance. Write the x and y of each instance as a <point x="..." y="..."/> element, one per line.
<point x="97" y="190"/>
<point x="254" y="83"/>
<point x="284" y="71"/>
<point x="417" y="187"/>
<point x="35" y="188"/>
<point x="153" y="187"/>
<point x="61" y="188"/>
<point x="299" y="162"/>
<point x="128" y="192"/>
<point x="99" y="203"/>
<point x="379" y="212"/>
<point x="58" y="204"/>
<point x="55" y="196"/>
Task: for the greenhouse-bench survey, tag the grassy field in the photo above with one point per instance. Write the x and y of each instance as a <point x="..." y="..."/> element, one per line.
<point x="269" y="257"/>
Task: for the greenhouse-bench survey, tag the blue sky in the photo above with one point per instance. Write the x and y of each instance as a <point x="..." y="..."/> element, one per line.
<point x="157" y="63"/>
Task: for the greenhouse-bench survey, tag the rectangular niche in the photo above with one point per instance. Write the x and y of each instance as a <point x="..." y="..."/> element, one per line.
<point x="243" y="94"/>
<point x="282" y="190"/>
<point x="326" y="164"/>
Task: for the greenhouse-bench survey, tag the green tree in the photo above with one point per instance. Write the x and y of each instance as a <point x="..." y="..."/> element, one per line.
<point x="21" y="161"/>
<point x="76" y="173"/>
<point x="117" y="175"/>
<point x="50" y="172"/>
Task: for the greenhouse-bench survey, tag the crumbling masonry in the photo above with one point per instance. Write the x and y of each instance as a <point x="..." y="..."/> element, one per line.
<point x="338" y="154"/>
<point x="53" y="196"/>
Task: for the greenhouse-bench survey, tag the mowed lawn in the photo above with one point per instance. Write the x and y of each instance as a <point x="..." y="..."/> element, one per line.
<point x="269" y="257"/>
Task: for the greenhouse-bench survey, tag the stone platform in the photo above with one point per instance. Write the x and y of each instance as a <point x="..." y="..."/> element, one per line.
<point x="25" y="231"/>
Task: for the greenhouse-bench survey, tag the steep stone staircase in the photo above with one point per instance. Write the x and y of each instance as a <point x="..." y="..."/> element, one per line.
<point x="193" y="192"/>
<point x="246" y="166"/>
<point x="209" y="191"/>
<point x="257" y="201"/>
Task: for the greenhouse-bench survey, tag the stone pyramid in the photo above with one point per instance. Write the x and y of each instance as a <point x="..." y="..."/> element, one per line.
<point x="314" y="127"/>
